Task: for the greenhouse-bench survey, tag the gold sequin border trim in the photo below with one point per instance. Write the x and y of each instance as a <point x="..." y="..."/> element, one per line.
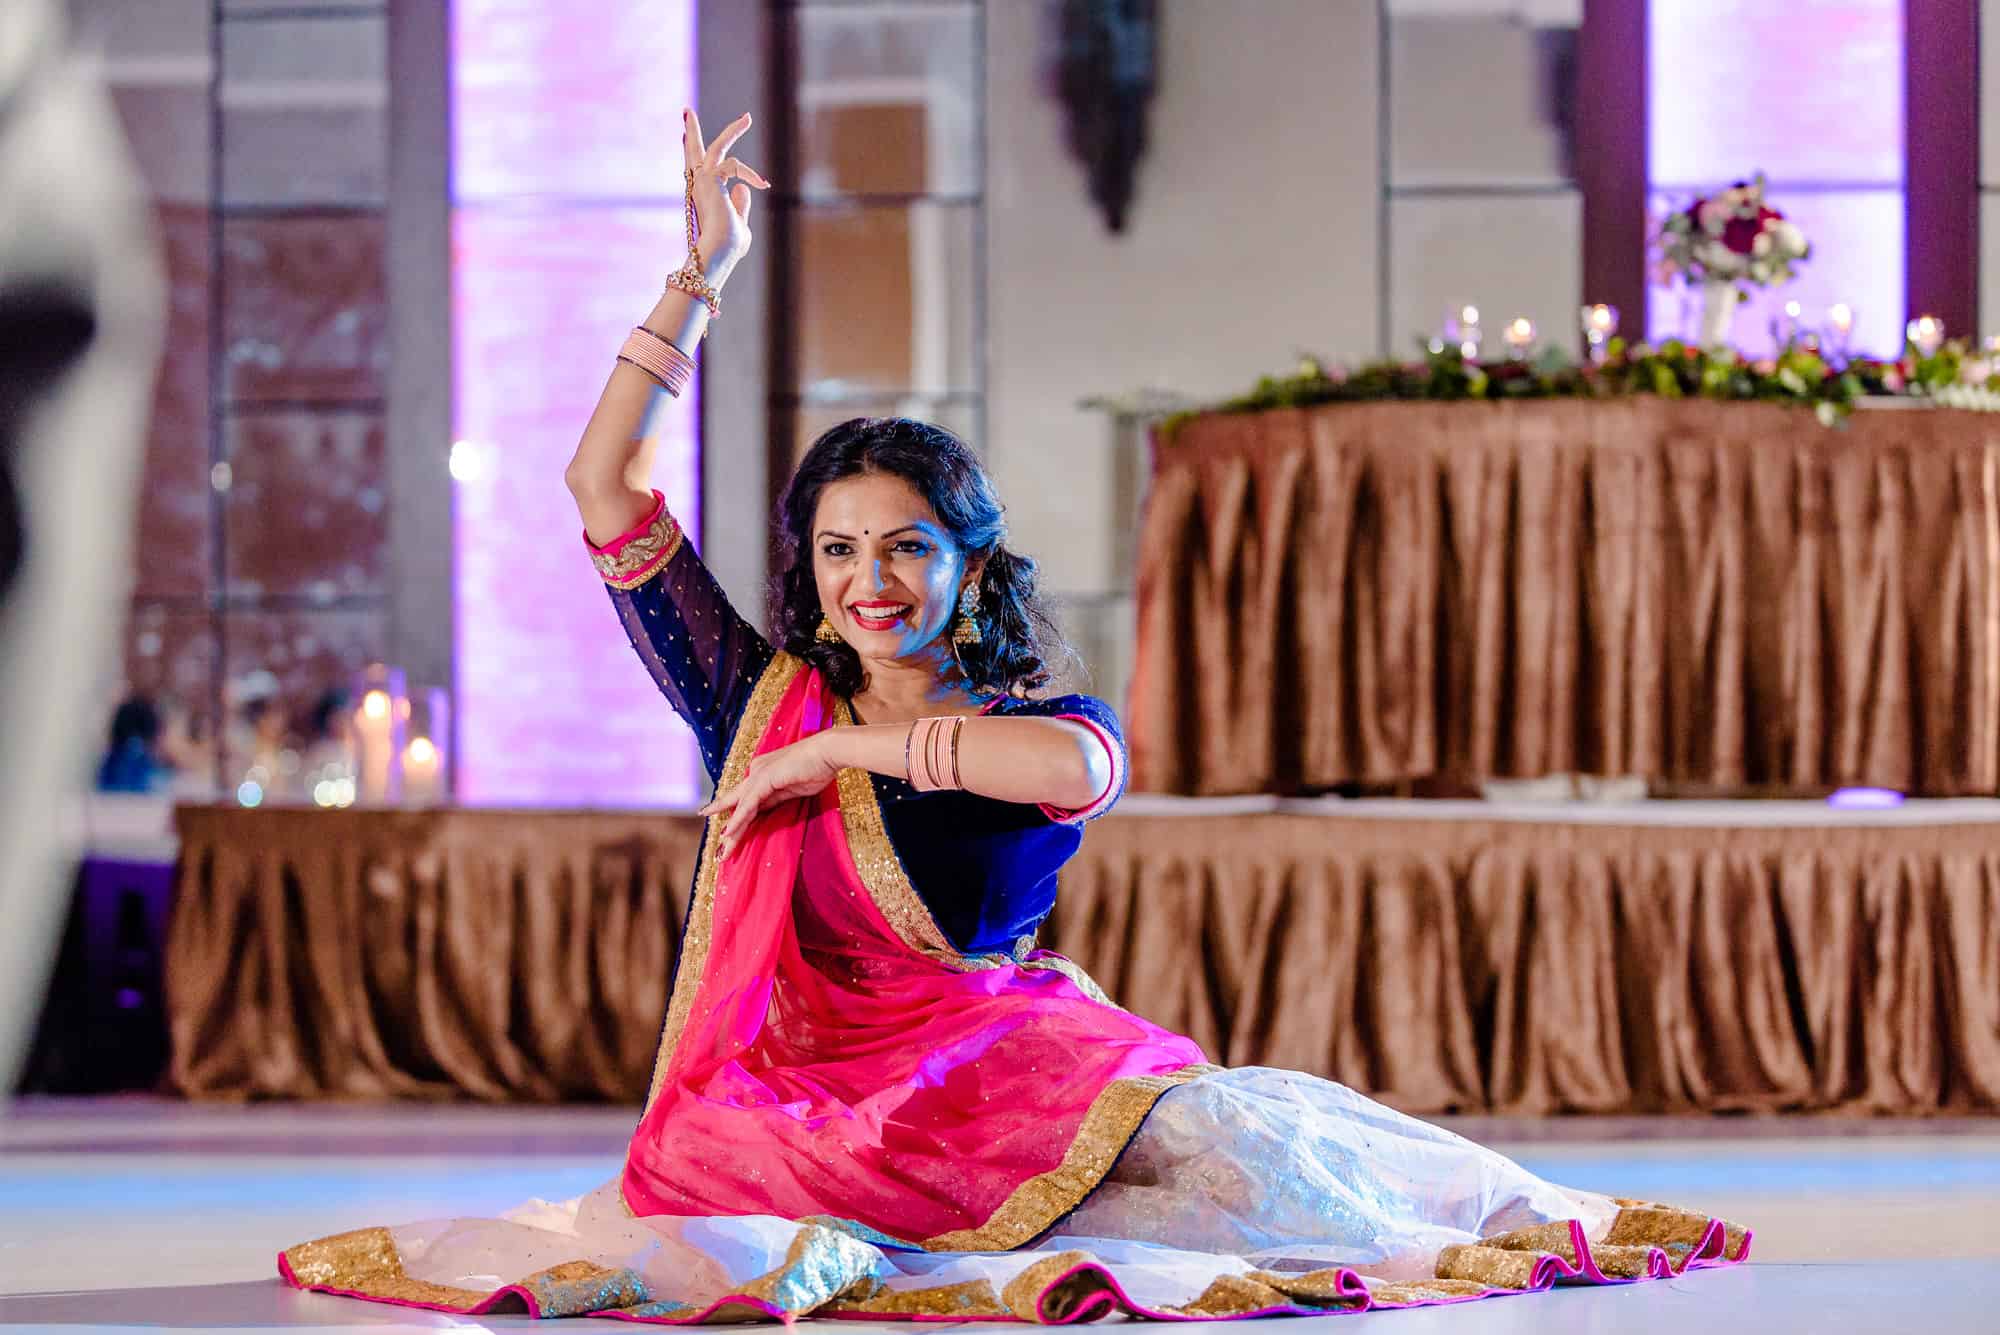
<point x="882" y="870"/>
<point x="643" y="554"/>
<point x="1109" y="1125"/>
<point x="765" y="696"/>
<point x="1069" y="969"/>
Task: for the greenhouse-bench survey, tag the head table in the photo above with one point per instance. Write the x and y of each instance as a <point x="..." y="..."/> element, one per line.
<point x="1719" y="596"/>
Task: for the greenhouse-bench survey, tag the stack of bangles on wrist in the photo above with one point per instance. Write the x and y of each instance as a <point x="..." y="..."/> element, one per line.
<point x="658" y="358"/>
<point x="930" y="757"/>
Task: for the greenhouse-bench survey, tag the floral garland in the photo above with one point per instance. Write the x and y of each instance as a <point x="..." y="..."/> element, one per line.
<point x="1799" y="375"/>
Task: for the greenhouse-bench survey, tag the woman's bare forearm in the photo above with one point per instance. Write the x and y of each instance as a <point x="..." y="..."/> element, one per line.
<point x="611" y="473"/>
<point x="1012" y="759"/>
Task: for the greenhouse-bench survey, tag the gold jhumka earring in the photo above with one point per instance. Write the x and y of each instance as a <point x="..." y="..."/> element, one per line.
<point x="826" y="634"/>
<point x="967" y="629"/>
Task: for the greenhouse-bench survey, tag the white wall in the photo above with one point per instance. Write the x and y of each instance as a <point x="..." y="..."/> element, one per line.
<point x="1253" y="236"/>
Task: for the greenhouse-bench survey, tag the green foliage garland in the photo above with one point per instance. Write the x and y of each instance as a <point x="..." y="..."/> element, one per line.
<point x="1799" y="376"/>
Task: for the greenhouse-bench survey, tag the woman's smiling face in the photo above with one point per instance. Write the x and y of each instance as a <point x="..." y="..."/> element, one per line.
<point x="888" y="572"/>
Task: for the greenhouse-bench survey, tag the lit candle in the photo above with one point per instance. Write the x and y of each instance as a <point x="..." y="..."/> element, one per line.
<point x="374" y="747"/>
<point x="1926" y="333"/>
<point x="1468" y="332"/>
<point x="420" y="771"/>
<point x="1788" y="327"/>
<point x="1520" y="337"/>
<point x="1841" y="317"/>
<point x="1600" y="322"/>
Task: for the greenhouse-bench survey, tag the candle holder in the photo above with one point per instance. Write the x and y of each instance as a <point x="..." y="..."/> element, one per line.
<point x="1600" y="326"/>
<point x="1463" y="330"/>
<point x="426" y="767"/>
<point x="381" y="717"/>
<point x="1840" y="328"/>
<point x="1785" y="326"/>
<point x="1520" y="338"/>
<point x="1926" y="334"/>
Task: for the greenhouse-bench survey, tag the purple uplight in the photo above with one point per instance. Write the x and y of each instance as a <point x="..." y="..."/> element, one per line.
<point x="566" y="217"/>
<point x="1865" y="799"/>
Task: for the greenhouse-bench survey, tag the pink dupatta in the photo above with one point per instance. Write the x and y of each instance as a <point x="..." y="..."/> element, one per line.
<point x="828" y="1053"/>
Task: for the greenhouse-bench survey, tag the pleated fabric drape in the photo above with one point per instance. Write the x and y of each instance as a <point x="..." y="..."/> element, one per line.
<point x="1725" y="595"/>
<point x="1439" y="965"/>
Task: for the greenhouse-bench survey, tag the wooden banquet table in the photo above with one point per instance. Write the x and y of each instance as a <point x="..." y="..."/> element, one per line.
<point x="1708" y="595"/>
<point x="1443" y="957"/>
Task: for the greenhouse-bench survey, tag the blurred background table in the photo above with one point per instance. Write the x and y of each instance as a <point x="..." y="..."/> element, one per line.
<point x="1664" y="957"/>
<point x="1723" y="597"/>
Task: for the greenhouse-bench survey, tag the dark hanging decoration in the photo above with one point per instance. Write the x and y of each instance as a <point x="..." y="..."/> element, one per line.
<point x="1105" y="74"/>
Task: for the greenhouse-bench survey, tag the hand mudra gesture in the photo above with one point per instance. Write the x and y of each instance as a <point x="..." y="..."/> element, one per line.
<point x="719" y="186"/>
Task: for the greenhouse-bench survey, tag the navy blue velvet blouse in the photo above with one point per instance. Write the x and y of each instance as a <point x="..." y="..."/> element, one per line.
<point x="985" y="868"/>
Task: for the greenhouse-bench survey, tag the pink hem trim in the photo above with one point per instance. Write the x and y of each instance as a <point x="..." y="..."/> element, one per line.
<point x="1102" y="802"/>
<point x="617" y="544"/>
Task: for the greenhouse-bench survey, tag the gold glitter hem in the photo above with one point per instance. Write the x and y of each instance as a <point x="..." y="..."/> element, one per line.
<point x="970" y="1300"/>
<point x="1644" y="1239"/>
<point x="366" y="1263"/>
<point x="1113" y="1118"/>
<point x="1051" y="1290"/>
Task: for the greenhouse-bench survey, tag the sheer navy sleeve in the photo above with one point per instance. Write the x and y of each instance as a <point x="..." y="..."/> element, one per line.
<point x="702" y="655"/>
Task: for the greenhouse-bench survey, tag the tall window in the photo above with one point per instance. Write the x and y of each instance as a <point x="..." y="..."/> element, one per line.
<point x="566" y="219"/>
<point x="879" y="301"/>
<point x="1813" y="97"/>
<point x="260" y="582"/>
<point x="1480" y="202"/>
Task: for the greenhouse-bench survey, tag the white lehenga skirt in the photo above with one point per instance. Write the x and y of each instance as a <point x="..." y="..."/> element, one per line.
<point x="1245" y="1192"/>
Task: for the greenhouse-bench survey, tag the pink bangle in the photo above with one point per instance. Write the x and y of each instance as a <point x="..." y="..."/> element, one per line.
<point x="658" y="358"/>
<point x="930" y="758"/>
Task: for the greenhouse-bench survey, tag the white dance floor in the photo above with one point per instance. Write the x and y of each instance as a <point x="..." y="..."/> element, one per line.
<point x="131" y="1214"/>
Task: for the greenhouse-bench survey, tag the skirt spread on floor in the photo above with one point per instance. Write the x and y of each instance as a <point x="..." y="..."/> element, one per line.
<point x="848" y="1117"/>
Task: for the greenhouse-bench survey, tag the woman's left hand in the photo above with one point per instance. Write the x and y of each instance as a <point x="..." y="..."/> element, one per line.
<point x="798" y="770"/>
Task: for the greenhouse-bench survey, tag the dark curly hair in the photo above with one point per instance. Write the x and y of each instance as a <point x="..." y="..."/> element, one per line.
<point x="1018" y="634"/>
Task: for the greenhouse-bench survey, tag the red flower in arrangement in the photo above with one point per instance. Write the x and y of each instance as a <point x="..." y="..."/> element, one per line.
<point x="1740" y="234"/>
<point x="1730" y="236"/>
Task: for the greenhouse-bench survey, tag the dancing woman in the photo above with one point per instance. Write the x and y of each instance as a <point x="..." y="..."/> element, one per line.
<point x="873" y="1095"/>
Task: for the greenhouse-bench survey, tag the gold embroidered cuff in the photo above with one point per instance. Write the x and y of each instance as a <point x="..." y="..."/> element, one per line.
<point x="631" y="560"/>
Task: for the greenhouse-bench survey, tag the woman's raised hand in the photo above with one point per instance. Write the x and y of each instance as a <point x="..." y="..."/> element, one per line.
<point x="721" y="188"/>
